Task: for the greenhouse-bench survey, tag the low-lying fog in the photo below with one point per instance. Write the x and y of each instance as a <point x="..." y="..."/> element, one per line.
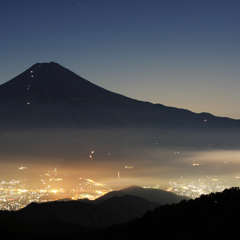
<point x="120" y="157"/>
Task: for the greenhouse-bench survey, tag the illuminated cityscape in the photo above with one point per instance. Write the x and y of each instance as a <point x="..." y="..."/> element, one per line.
<point x="195" y="189"/>
<point x="17" y="194"/>
<point x="57" y="184"/>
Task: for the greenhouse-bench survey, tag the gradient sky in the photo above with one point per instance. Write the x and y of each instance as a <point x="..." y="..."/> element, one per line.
<point x="181" y="53"/>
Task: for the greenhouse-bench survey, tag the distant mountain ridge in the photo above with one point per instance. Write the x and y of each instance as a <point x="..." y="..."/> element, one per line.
<point x="48" y="95"/>
<point x="113" y="209"/>
<point x="153" y="195"/>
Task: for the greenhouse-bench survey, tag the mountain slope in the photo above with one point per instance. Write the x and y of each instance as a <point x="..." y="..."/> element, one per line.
<point x="48" y="95"/>
<point x="153" y="195"/>
<point x="112" y="211"/>
<point x="212" y="216"/>
<point x="115" y="208"/>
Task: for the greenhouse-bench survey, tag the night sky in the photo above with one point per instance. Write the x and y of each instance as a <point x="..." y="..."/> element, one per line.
<point x="184" y="53"/>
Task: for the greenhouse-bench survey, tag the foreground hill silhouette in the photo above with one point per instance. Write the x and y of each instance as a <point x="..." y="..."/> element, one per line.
<point x="115" y="208"/>
<point x="112" y="211"/>
<point x="48" y="95"/>
<point x="212" y="216"/>
<point x="209" y="216"/>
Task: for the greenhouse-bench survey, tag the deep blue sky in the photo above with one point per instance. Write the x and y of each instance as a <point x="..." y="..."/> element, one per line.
<point x="181" y="53"/>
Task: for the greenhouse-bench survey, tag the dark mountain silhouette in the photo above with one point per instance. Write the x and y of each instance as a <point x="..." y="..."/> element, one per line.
<point x="153" y="195"/>
<point x="209" y="216"/>
<point x="115" y="208"/>
<point x="49" y="95"/>
<point x="212" y="216"/>
<point x="111" y="211"/>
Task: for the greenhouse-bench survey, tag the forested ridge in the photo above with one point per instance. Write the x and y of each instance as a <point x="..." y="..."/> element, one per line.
<point x="209" y="216"/>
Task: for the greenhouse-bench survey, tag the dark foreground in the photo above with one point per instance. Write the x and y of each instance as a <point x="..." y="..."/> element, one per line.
<point x="210" y="216"/>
